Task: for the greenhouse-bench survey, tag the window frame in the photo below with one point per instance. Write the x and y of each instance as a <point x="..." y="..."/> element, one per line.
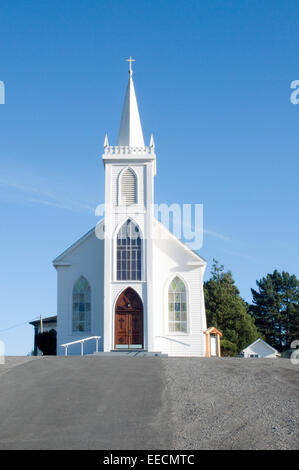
<point x="188" y="326"/>
<point x="141" y="248"/>
<point x="86" y="330"/>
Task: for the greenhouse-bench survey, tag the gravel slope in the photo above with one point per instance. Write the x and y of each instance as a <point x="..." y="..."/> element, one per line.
<point x="232" y="403"/>
<point x="148" y="403"/>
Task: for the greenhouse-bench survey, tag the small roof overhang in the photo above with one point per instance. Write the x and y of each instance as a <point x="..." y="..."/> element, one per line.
<point x="47" y="320"/>
<point x="212" y="330"/>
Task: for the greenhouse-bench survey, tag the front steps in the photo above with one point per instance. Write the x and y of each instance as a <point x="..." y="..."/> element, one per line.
<point x="131" y="353"/>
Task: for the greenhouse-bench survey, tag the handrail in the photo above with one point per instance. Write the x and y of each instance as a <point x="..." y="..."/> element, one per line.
<point x="81" y="341"/>
<point x="173" y="346"/>
<point x="174" y="340"/>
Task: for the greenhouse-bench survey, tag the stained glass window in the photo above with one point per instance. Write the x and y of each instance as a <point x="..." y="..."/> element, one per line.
<point x="128" y="253"/>
<point x="81" y="305"/>
<point x="177" y="306"/>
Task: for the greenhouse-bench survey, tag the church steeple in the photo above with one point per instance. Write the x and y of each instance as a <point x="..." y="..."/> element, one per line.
<point x="130" y="131"/>
<point x="130" y="167"/>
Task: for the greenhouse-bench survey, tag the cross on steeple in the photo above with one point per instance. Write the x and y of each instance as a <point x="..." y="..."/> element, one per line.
<point x="130" y="131"/>
<point x="130" y="60"/>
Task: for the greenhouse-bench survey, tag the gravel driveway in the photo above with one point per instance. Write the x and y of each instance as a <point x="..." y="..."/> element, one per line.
<point x="232" y="403"/>
<point x="148" y="403"/>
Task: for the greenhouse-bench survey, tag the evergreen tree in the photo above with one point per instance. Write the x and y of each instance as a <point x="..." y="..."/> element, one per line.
<point x="227" y="311"/>
<point x="276" y="308"/>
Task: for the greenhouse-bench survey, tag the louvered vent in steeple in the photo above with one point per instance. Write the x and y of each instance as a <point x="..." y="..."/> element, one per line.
<point x="128" y="188"/>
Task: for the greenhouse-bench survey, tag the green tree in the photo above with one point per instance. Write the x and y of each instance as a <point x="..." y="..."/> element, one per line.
<point x="276" y="308"/>
<point x="228" y="348"/>
<point x="227" y="311"/>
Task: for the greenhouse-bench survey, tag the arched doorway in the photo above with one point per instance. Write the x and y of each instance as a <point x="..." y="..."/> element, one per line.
<point x="129" y="321"/>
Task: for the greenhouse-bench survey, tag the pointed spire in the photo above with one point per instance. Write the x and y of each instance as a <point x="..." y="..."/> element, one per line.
<point x="152" y="142"/>
<point x="130" y="131"/>
<point x="106" y="142"/>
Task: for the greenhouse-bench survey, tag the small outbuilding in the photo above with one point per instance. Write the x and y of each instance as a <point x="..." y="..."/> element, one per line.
<point x="44" y="324"/>
<point x="259" y="348"/>
<point x="213" y="348"/>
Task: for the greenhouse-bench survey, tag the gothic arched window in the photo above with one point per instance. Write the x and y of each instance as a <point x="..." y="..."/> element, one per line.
<point x="177" y="306"/>
<point x="81" y="305"/>
<point x="128" y="249"/>
<point x="128" y="187"/>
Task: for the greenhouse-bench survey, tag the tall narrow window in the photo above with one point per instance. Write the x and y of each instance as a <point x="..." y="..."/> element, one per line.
<point x="128" y="253"/>
<point x="81" y="305"/>
<point x="177" y="306"/>
<point x="128" y="187"/>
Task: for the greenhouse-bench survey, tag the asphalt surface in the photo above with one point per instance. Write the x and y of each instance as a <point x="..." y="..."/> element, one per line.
<point x="148" y="403"/>
<point x="83" y="403"/>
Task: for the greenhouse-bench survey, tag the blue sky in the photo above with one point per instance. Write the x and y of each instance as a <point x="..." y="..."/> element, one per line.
<point x="213" y="84"/>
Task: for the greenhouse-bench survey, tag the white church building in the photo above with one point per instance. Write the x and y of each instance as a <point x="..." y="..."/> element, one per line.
<point x="130" y="281"/>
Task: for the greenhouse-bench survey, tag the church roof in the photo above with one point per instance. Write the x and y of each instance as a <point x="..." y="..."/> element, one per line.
<point x="58" y="261"/>
<point x="193" y="253"/>
<point x="130" y="131"/>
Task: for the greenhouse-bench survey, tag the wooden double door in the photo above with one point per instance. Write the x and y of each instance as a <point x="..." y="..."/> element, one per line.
<point x="129" y="321"/>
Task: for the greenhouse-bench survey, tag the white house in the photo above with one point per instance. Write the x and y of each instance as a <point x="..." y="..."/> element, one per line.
<point x="259" y="348"/>
<point x="130" y="280"/>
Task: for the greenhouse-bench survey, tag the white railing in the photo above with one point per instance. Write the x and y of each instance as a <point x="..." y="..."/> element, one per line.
<point x="81" y="341"/>
<point x="123" y="150"/>
<point x="170" y="346"/>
